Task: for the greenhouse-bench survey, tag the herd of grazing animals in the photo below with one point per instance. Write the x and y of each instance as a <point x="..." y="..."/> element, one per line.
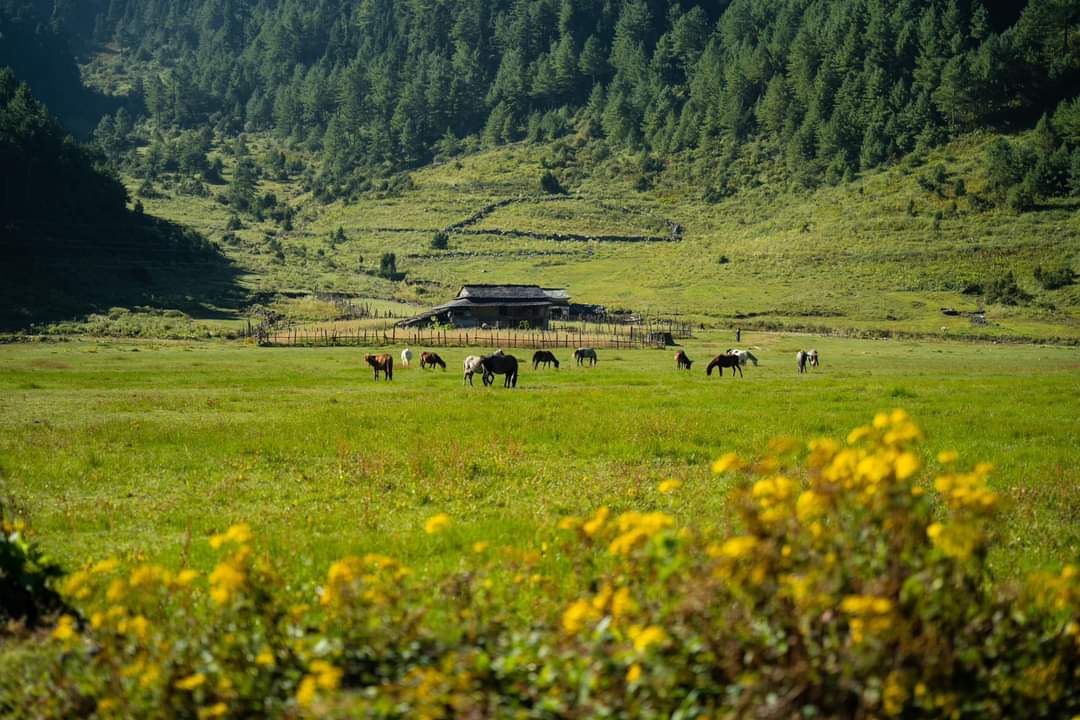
<point x="499" y="363"/>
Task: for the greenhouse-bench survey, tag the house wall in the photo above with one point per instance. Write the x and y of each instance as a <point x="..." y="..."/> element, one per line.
<point x="504" y="316"/>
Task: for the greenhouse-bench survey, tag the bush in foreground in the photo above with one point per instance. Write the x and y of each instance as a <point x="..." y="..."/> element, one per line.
<point x="853" y="585"/>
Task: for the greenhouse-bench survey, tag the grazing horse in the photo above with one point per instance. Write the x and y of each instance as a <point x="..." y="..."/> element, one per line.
<point x="473" y="365"/>
<point x="583" y="354"/>
<point x="383" y="362"/>
<point x="546" y="357"/>
<point x="501" y="365"/>
<point x="743" y="356"/>
<point x="724" y="361"/>
<point x="406" y="357"/>
<point x="432" y="359"/>
<point x="804" y="358"/>
<point x="681" y="361"/>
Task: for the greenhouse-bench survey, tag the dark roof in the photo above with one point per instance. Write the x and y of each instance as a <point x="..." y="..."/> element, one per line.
<point x="558" y="295"/>
<point x="515" y="293"/>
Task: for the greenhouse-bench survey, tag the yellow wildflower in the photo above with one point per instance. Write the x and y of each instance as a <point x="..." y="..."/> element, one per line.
<point x="577" y="615"/>
<point x="239" y="534"/>
<point x="437" y="523"/>
<point x="139" y="626"/>
<point x="859" y="433"/>
<point x="305" y="693"/>
<point x="906" y="465"/>
<point x="117" y="590"/>
<point x="947" y="457"/>
<point x="225" y="581"/>
<point x="104" y="566"/>
<point x="327" y="676"/>
<point x="669" y="486"/>
<point x="65" y="628"/>
<point x="190" y="682"/>
<point x="569" y="522"/>
<point x="479" y="547"/>
<point x="622" y="604"/>
<point x="822" y="450"/>
<point x="811" y="505"/>
<point x="633" y="674"/>
<point x="728" y="462"/>
<point x="185" y="577"/>
<point x="146" y="576"/>
<point x="150" y="676"/>
<point x="955" y="541"/>
<point x="76" y="585"/>
<point x="265" y="658"/>
<point x="894" y="694"/>
<point x="645" y="638"/>
<point x="213" y="711"/>
<point x="736" y="547"/>
<point x="596" y="523"/>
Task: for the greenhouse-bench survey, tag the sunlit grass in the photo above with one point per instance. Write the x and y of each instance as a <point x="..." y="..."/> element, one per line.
<point x="142" y="448"/>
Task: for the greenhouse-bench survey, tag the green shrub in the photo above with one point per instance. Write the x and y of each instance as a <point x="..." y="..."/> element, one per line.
<point x="550" y="184"/>
<point x="1003" y="290"/>
<point x="441" y="241"/>
<point x="1054" y="278"/>
<point x="26" y="574"/>
<point x="849" y="582"/>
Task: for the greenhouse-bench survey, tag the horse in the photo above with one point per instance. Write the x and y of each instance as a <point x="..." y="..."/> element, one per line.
<point x="724" y="361"/>
<point x="583" y="354"/>
<point x="546" y="357"/>
<point x="406" y="357"/>
<point x="743" y="356"/>
<point x="806" y="357"/>
<point x="681" y="361"/>
<point x="501" y="365"/>
<point x="474" y="364"/>
<point x="432" y="359"/>
<point x="383" y="362"/>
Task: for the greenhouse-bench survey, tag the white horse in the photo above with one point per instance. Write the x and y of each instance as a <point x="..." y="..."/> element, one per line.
<point x="473" y="364"/>
<point x="806" y="357"/>
<point x="743" y="356"/>
<point x="406" y="357"/>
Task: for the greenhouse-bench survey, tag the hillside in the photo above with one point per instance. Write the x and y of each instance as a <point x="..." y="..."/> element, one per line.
<point x="880" y="253"/>
<point x="70" y="244"/>
<point x="853" y="165"/>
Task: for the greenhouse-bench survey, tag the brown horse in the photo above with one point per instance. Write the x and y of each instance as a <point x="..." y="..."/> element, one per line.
<point x="432" y="359"/>
<point x="681" y="361"/>
<point x="383" y="362"/>
<point x="724" y="361"/>
<point x="546" y="357"/>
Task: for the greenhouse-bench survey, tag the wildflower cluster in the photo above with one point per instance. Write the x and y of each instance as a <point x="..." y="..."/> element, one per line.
<point x="851" y="583"/>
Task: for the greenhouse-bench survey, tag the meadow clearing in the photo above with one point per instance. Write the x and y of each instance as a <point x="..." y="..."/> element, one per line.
<point x="143" y="449"/>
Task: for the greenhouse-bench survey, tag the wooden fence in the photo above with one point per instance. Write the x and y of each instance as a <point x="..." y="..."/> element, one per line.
<point x="422" y="338"/>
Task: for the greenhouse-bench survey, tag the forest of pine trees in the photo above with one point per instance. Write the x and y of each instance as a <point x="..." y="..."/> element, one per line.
<point x="826" y="88"/>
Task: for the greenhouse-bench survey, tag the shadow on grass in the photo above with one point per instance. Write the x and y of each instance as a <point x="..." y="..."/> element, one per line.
<point x="63" y="271"/>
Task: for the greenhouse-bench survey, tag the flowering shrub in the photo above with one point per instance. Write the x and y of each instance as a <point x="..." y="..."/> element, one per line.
<point x="25" y="573"/>
<point x="853" y="585"/>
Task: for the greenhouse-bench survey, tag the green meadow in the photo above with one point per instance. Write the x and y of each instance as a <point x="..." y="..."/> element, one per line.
<point x="143" y="449"/>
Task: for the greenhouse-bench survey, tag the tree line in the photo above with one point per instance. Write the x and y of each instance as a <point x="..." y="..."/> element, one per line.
<point x="827" y="89"/>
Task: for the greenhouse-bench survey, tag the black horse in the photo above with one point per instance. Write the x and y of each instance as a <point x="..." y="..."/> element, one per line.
<point x="501" y="365"/>
<point x="546" y="357"/>
<point x="724" y="361"/>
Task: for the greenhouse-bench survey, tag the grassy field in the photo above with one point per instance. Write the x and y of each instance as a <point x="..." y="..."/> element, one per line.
<point x="145" y="448"/>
